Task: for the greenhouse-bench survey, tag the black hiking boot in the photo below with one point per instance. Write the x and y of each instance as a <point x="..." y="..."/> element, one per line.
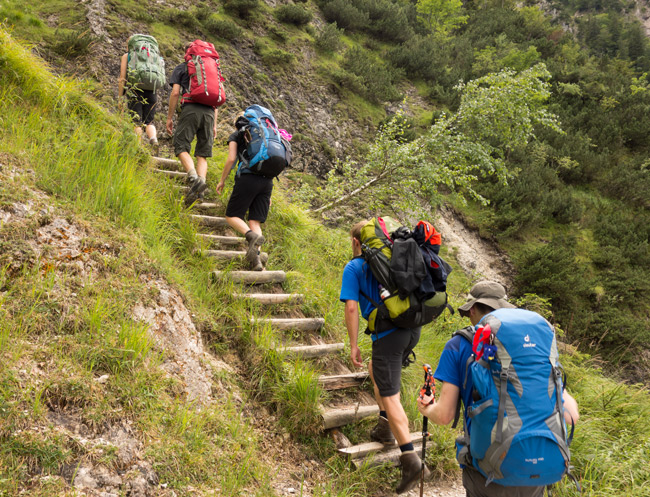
<point x="255" y="241"/>
<point x="411" y="471"/>
<point x="381" y="432"/>
<point x="196" y="188"/>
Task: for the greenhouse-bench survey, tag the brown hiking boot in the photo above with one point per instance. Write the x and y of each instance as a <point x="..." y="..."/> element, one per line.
<point x="254" y="240"/>
<point x="411" y="471"/>
<point x="381" y="432"/>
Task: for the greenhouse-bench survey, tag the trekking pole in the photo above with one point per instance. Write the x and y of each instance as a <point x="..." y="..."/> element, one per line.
<point x="427" y="393"/>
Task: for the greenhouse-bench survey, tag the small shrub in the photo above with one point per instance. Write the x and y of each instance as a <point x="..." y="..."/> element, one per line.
<point x="275" y="57"/>
<point x="182" y="18"/>
<point x="346" y="15"/>
<point x="222" y="28"/>
<point x="241" y="8"/>
<point x="278" y="34"/>
<point x="73" y="44"/>
<point x="329" y="38"/>
<point x="293" y="14"/>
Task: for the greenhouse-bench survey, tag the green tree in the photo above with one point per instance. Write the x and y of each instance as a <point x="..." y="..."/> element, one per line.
<point x="497" y="111"/>
<point x="441" y="16"/>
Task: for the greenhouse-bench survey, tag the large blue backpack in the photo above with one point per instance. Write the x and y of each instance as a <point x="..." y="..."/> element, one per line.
<point x="266" y="153"/>
<point x="517" y="434"/>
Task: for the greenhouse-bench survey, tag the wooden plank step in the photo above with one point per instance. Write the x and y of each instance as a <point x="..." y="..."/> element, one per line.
<point x="312" y="351"/>
<point x="171" y="174"/>
<point x="212" y="221"/>
<point x="362" y="450"/>
<point x="333" y="418"/>
<point x="232" y="254"/>
<point x="340" y="381"/>
<point x="298" y="324"/>
<point x="252" y="277"/>
<point x="162" y="161"/>
<point x="385" y="457"/>
<point x="224" y="240"/>
<point x="271" y="298"/>
<point x="204" y="206"/>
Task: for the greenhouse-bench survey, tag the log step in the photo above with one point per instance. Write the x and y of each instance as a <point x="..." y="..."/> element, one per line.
<point x="271" y="298"/>
<point x="212" y="221"/>
<point x="171" y="174"/>
<point x="224" y="240"/>
<point x="297" y="324"/>
<point x="390" y="456"/>
<point x="204" y="206"/>
<point x="252" y="277"/>
<point x="312" y="351"/>
<point x="340" y="381"/>
<point x="232" y="254"/>
<point x="163" y="162"/>
<point x="333" y="418"/>
<point x="362" y="450"/>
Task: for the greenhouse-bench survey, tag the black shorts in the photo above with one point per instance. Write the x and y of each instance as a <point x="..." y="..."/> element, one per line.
<point x="474" y="483"/>
<point x="142" y="105"/>
<point x="388" y="354"/>
<point x="195" y="120"/>
<point x="251" y="193"/>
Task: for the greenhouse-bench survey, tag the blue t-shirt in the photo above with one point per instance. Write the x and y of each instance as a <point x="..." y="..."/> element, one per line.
<point x="451" y="369"/>
<point x="358" y="277"/>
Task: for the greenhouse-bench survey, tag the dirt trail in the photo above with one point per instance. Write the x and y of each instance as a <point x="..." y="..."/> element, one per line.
<point x="479" y="258"/>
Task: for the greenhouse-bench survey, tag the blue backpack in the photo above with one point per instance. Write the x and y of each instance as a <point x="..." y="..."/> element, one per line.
<point x="517" y="432"/>
<point x="267" y="152"/>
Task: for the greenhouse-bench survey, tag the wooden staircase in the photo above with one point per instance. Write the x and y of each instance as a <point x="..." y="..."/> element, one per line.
<point x="353" y="403"/>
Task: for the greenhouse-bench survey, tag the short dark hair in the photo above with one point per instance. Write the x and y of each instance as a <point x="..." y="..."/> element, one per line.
<point x="355" y="232"/>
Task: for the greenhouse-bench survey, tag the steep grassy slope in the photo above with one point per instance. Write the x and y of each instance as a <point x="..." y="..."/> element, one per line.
<point x="85" y="228"/>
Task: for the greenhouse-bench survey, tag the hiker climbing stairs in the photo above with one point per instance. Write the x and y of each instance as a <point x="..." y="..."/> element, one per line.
<point x="349" y="400"/>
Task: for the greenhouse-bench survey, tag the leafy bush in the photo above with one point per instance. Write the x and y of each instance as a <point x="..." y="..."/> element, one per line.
<point x="421" y="57"/>
<point x="275" y="57"/>
<point x="182" y="18"/>
<point x="329" y="38"/>
<point x="378" y="78"/>
<point x="222" y="28"/>
<point x="241" y="8"/>
<point x="293" y="14"/>
<point x="346" y="15"/>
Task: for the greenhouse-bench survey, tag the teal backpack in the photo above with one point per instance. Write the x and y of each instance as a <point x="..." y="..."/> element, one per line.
<point x="145" y="67"/>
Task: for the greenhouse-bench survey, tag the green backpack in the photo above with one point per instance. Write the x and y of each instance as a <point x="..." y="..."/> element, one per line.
<point x="403" y="303"/>
<point x="145" y="68"/>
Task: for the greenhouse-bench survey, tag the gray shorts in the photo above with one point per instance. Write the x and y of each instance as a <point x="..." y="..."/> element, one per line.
<point x="196" y="120"/>
<point x="474" y="483"/>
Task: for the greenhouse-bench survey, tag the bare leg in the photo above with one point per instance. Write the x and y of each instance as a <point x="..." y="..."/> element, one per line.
<point x="186" y="161"/>
<point x="378" y="398"/>
<point x="399" y="423"/>
<point x="255" y="226"/>
<point x="202" y="167"/>
<point x="151" y="132"/>
<point x="238" y="224"/>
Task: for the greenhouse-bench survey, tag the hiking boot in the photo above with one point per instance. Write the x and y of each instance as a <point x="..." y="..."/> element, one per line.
<point x="381" y="432"/>
<point x="411" y="471"/>
<point x="255" y="241"/>
<point x="196" y="189"/>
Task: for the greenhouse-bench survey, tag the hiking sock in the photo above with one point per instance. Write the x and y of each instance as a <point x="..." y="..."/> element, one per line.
<point x="382" y="414"/>
<point x="407" y="448"/>
<point x="192" y="176"/>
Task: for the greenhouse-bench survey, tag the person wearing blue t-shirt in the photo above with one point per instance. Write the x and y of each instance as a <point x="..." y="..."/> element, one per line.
<point x="390" y="351"/>
<point x="484" y="297"/>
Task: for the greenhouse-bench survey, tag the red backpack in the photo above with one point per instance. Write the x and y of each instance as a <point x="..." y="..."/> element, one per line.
<point x="206" y="82"/>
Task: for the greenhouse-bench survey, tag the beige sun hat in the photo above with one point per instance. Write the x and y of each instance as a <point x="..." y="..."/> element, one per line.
<point x="490" y="293"/>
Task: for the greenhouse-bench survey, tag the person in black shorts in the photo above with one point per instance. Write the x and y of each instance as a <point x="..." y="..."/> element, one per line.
<point x="391" y="351"/>
<point x="251" y="193"/>
<point x="140" y="103"/>
<point x="196" y="120"/>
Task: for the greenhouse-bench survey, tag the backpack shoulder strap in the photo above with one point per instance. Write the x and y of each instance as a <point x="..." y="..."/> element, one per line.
<point x="468" y="334"/>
